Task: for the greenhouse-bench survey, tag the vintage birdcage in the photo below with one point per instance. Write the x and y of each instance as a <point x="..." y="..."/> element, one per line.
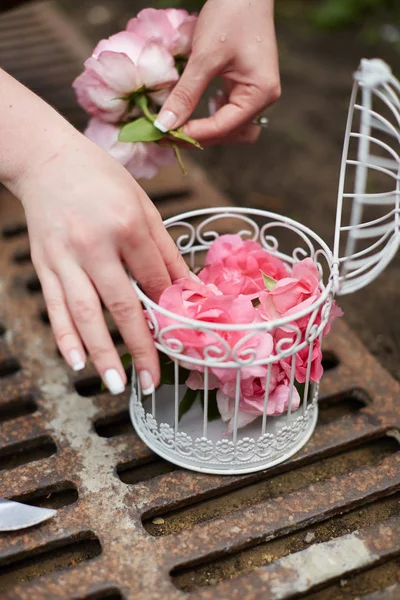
<point x="366" y="238"/>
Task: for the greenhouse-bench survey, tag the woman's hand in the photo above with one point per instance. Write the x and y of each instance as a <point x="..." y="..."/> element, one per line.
<point x="234" y="39"/>
<point x="87" y="218"/>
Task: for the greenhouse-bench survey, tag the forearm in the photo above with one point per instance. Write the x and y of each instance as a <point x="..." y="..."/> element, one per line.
<point x="31" y="132"/>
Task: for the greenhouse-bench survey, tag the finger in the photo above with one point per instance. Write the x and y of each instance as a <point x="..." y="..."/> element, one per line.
<point x="245" y="103"/>
<point x="245" y="135"/>
<point x="186" y="94"/>
<point x="67" y="337"/>
<point x="146" y="263"/>
<point x="118" y="295"/>
<point x="173" y="259"/>
<point x="85" y="308"/>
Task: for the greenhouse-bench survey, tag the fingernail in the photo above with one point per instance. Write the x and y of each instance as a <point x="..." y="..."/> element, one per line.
<point x="166" y="121"/>
<point x="113" y="381"/>
<point x="194" y="277"/>
<point x="146" y="383"/>
<point x="77" y="361"/>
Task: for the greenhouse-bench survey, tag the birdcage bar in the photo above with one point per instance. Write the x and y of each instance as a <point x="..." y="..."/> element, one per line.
<point x="308" y="372"/>
<point x="291" y="385"/>
<point x="378" y="121"/>
<point x="176" y="393"/>
<point x="266" y="398"/>
<point x="237" y="402"/>
<point x="205" y="416"/>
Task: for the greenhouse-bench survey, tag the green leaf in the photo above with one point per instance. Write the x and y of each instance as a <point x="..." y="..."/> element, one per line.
<point x="187" y="402"/>
<point x="126" y="360"/>
<point x="213" y="413"/>
<point x="269" y="282"/>
<point x="140" y="130"/>
<point x="167" y="368"/>
<point x="178" y="133"/>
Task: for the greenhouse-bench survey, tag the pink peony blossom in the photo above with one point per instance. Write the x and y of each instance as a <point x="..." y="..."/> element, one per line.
<point x="120" y="66"/>
<point x="252" y="398"/>
<point x="196" y="300"/>
<point x="316" y="370"/>
<point x="174" y="27"/>
<point x="142" y="160"/>
<point x="292" y="293"/>
<point x="235" y="266"/>
<point x="195" y="381"/>
<point x="289" y="296"/>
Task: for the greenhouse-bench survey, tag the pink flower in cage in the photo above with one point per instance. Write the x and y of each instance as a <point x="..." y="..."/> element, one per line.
<point x="292" y="293"/>
<point x="205" y="303"/>
<point x="195" y="381"/>
<point x="252" y="398"/>
<point x="235" y="266"/>
<point x="302" y="357"/>
<point x="120" y="66"/>
<point x="174" y="27"/>
<point x="142" y="160"/>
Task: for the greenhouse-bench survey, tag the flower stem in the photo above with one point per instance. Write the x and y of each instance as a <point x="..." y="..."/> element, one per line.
<point x="179" y="159"/>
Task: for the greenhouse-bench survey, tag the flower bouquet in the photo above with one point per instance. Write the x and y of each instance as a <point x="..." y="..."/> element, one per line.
<point x="126" y="81"/>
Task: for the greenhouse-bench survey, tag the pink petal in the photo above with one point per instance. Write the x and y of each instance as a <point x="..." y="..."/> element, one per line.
<point x="97" y="98"/>
<point x="195" y="381"/>
<point x="183" y="46"/>
<point x="122" y="42"/>
<point x="157" y="66"/>
<point x="153" y="23"/>
<point x="105" y="135"/>
<point x="117" y="71"/>
<point x="225" y="406"/>
<point x="306" y="270"/>
<point x="222" y="247"/>
<point x="146" y="161"/>
<point x="177" y="16"/>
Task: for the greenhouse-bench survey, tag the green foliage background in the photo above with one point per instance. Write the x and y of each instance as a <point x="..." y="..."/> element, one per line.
<point x="327" y="14"/>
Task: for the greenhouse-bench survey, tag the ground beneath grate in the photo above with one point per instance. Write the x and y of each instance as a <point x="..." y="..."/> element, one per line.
<point x="323" y="526"/>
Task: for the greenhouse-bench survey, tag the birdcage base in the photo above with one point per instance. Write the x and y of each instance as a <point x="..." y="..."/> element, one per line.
<point x="217" y="452"/>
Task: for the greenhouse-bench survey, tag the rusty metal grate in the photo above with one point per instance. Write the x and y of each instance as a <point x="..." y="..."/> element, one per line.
<point x="323" y="526"/>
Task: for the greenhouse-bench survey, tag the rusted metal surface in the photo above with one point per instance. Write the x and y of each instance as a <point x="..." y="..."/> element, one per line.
<point x="132" y="526"/>
<point x="60" y="447"/>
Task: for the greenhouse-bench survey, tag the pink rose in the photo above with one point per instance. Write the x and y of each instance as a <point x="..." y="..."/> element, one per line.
<point x="235" y="266"/>
<point x="142" y="160"/>
<point x="195" y="381"/>
<point x="316" y="370"/>
<point x="174" y="27"/>
<point x="201" y="302"/>
<point x="120" y="66"/>
<point x="252" y="398"/>
<point x="292" y="294"/>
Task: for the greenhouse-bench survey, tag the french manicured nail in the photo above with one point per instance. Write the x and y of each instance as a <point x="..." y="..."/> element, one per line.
<point x="146" y="383"/>
<point x="77" y="361"/>
<point x="166" y="121"/>
<point x="113" y="381"/>
<point x="194" y="277"/>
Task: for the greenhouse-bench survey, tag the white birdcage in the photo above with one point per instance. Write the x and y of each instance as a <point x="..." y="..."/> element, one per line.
<point x="370" y="235"/>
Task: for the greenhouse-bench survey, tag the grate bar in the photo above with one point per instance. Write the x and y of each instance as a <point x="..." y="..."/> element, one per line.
<point x="329" y="561"/>
<point x="283" y="514"/>
<point x="183" y="486"/>
<point x="24" y="428"/>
